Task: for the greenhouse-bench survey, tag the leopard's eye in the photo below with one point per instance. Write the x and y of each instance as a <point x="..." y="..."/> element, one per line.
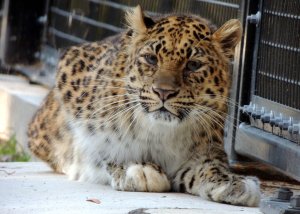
<point x="193" y="65"/>
<point x="151" y="59"/>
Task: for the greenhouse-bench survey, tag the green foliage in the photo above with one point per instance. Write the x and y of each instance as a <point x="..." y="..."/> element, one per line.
<point x="9" y="148"/>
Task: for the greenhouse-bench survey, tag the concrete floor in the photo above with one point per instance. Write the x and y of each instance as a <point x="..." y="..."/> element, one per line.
<point x="33" y="188"/>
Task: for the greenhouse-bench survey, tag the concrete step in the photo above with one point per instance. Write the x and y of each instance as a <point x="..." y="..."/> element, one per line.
<point x="19" y="101"/>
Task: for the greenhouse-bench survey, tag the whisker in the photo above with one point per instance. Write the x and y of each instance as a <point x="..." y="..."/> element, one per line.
<point x="99" y="111"/>
<point x="220" y="116"/>
<point x="134" y="119"/>
<point x="100" y="100"/>
<point x="113" y="117"/>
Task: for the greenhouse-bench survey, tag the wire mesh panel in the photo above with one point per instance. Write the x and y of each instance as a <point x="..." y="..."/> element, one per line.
<point x="78" y="21"/>
<point x="278" y="68"/>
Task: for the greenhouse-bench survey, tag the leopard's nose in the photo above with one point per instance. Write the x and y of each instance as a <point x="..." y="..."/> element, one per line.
<point x="165" y="94"/>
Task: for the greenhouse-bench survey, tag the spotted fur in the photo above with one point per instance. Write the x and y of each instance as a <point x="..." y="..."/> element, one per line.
<point x="144" y="110"/>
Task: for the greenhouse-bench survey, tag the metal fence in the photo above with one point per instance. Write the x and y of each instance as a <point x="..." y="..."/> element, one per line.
<point x="278" y="65"/>
<point x="268" y="127"/>
<point x="77" y="21"/>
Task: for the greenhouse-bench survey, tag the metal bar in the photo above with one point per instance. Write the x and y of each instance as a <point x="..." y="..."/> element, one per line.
<point x="285" y="15"/>
<point x="44" y="34"/>
<point x="225" y="4"/>
<point x="85" y="19"/>
<point x="119" y="6"/>
<point x="281" y="46"/>
<point x="269" y="148"/>
<point x="66" y="36"/>
<point x="280" y="78"/>
<point x="112" y="4"/>
<point x="240" y="79"/>
<point x="3" y="30"/>
<point x="256" y="51"/>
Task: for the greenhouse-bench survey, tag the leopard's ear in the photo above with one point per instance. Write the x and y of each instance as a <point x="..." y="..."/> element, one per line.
<point x="138" y="21"/>
<point x="228" y="36"/>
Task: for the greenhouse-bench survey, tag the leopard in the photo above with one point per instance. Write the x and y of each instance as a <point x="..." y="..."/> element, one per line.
<point x="144" y="110"/>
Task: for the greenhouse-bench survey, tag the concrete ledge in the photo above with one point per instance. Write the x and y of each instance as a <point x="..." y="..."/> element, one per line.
<point x="34" y="188"/>
<point x="19" y="100"/>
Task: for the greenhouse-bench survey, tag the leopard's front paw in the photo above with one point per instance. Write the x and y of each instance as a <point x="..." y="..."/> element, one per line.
<point x="141" y="178"/>
<point x="244" y="191"/>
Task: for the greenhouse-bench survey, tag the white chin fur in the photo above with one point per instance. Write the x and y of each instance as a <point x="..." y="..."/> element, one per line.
<point x="163" y="118"/>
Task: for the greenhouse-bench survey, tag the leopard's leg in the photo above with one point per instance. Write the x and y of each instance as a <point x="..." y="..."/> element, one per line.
<point x="210" y="178"/>
<point x="138" y="177"/>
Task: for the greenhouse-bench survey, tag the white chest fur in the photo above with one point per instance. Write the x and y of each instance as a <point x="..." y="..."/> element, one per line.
<point x="167" y="146"/>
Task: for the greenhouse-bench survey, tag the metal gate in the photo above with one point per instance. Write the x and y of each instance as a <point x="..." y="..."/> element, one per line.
<point x="269" y="126"/>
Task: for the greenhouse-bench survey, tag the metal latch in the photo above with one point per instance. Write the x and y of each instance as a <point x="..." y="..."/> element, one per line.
<point x="254" y="18"/>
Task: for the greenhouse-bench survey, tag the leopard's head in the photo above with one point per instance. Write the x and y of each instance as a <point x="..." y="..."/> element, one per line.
<point x="178" y="65"/>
